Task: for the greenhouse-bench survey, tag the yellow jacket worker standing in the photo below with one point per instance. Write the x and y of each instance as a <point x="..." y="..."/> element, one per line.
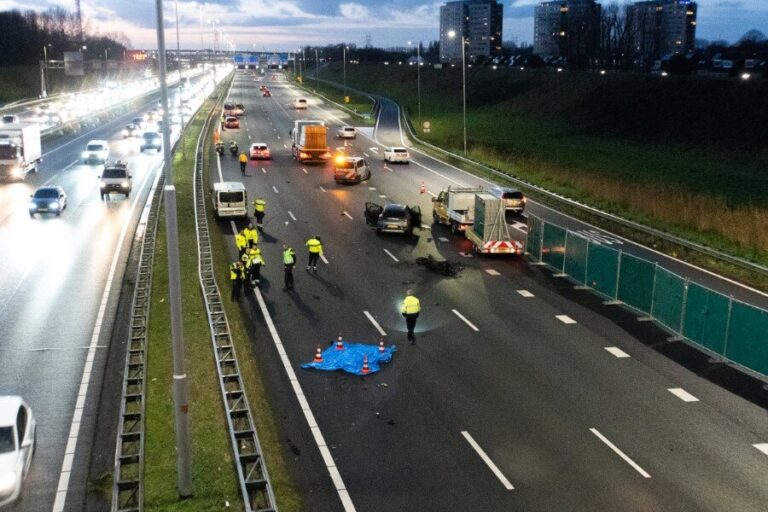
<point x="315" y="251"/>
<point x="251" y="235"/>
<point x="243" y="163"/>
<point x="410" y="309"/>
<point x="241" y="243"/>
<point x="259" y="208"/>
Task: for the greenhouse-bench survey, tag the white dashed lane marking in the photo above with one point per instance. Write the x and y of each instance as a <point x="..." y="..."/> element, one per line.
<point x="525" y="293"/>
<point x="275" y="189"/>
<point x="391" y="255"/>
<point x="565" y="319"/>
<point x="291" y="215"/>
<point x="375" y="323"/>
<point x="488" y="462"/>
<point x="683" y="395"/>
<point x="620" y="453"/>
<point x="347" y="215"/>
<point x="470" y="324"/>
<point x="616" y="351"/>
<point x="763" y="447"/>
<point x="492" y="272"/>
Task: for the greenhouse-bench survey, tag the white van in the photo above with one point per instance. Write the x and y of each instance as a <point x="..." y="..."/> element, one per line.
<point x="230" y="199"/>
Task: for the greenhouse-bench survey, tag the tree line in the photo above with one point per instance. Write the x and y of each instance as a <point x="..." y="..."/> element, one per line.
<point x="23" y="35"/>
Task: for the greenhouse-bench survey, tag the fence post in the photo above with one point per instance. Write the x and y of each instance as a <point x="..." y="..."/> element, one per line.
<point x="653" y="296"/>
<point x="727" y="326"/>
<point x="565" y="250"/>
<point x="618" y="276"/>
<point x="679" y="336"/>
<point x="585" y="286"/>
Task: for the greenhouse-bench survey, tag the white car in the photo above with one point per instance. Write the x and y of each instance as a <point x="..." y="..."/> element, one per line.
<point x="300" y="104"/>
<point x="17" y="444"/>
<point x="347" y="132"/>
<point x="96" y="151"/>
<point x="397" y="155"/>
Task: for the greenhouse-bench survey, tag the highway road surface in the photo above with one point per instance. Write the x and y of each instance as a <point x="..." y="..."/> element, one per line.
<point x="520" y="394"/>
<point x="59" y="284"/>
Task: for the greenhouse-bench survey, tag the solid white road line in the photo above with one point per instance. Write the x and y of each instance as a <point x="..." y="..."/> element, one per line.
<point x="74" y="430"/>
<point x="620" y="453"/>
<point x="488" y="462"/>
<point x="492" y="272"/>
<point x="763" y="447"/>
<point x="375" y="323"/>
<point x="683" y="395"/>
<point x="348" y="215"/>
<point x="391" y="256"/>
<point x="616" y="351"/>
<point x="291" y="215"/>
<point x="565" y="319"/>
<point x="465" y="320"/>
<point x="330" y="464"/>
<point x="275" y="189"/>
<point x="525" y="293"/>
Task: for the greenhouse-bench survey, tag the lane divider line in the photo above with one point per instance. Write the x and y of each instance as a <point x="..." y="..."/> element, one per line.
<point x="321" y="188"/>
<point x="382" y="196"/>
<point x="616" y="351"/>
<point x="565" y="319"/>
<point x="291" y="215"/>
<point x="330" y="464"/>
<point x="275" y="189"/>
<point x="347" y="215"/>
<point x="305" y="171"/>
<point x="392" y="256"/>
<point x="470" y="324"/>
<point x="488" y="462"/>
<point x="763" y="447"/>
<point x="525" y="293"/>
<point x="493" y="272"/>
<point x="620" y="453"/>
<point x="264" y="170"/>
<point x="375" y="323"/>
<point x="683" y="395"/>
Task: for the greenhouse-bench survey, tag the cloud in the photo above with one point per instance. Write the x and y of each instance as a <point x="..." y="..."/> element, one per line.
<point x="354" y="11"/>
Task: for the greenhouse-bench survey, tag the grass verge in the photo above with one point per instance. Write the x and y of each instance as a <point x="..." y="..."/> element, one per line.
<point x="213" y="477"/>
<point x="705" y="193"/>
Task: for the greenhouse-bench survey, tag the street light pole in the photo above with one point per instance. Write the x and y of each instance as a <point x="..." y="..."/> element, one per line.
<point x="43" y="72"/>
<point x="180" y="384"/>
<point x="180" y="87"/>
<point x="345" y="71"/>
<point x="418" y="78"/>
<point x="464" y="91"/>
<point x="317" y="71"/>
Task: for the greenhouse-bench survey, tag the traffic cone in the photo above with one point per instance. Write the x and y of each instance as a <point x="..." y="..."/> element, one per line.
<point x="381" y="345"/>
<point x="318" y="355"/>
<point x="339" y="344"/>
<point x="422" y="188"/>
<point x="366" y="369"/>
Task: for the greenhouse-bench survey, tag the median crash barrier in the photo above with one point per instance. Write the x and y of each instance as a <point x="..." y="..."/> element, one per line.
<point x="732" y="330"/>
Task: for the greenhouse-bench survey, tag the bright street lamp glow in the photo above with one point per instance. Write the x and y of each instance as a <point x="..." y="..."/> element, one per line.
<point x="451" y="33"/>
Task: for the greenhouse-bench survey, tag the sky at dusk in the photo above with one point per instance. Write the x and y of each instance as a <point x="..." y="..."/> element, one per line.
<point x="287" y="24"/>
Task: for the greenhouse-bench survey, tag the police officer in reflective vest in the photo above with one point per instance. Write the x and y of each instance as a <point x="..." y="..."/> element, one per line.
<point x="236" y="275"/>
<point x="410" y="310"/>
<point x="245" y="259"/>
<point x="289" y="261"/>
<point x="315" y="251"/>
<point x="243" y="163"/>
<point x="241" y="243"/>
<point x="259" y="207"/>
<point x="251" y="235"/>
<point x="256" y="261"/>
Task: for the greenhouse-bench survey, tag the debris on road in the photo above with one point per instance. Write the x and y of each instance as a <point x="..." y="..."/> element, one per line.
<point x="444" y="267"/>
<point x="355" y="358"/>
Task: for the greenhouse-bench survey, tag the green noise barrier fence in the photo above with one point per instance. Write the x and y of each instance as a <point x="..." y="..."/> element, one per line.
<point x="722" y="325"/>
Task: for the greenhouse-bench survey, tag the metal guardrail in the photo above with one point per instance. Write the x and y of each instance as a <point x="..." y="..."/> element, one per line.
<point x="735" y="260"/>
<point x="255" y="485"/>
<point x="369" y="115"/>
<point x="128" y="479"/>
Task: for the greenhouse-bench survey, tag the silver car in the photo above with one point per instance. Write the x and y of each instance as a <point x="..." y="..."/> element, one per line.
<point x="17" y="445"/>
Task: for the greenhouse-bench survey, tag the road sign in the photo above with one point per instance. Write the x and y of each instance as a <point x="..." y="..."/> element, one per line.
<point x="73" y="64"/>
<point x="426" y="126"/>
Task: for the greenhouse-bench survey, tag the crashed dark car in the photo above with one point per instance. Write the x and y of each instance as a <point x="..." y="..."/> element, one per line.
<point x="393" y="218"/>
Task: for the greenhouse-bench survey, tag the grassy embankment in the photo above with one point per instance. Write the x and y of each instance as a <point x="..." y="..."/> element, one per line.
<point x="358" y="103"/>
<point x="685" y="155"/>
<point x="213" y="472"/>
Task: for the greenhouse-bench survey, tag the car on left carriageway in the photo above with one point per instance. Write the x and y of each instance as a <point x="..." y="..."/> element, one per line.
<point x="50" y="199"/>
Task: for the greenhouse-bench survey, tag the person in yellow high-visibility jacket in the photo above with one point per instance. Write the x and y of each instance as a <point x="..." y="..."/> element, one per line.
<point x="243" y="163"/>
<point x="315" y="248"/>
<point x="259" y="208"/>
<point x="257" y="260"/>
<point x="241" y="243"/>
<point x="410" y="310"/>
<point x="251" y="235"/>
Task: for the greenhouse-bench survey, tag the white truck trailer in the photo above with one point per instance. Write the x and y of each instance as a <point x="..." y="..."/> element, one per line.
<point x="20" y="150"/>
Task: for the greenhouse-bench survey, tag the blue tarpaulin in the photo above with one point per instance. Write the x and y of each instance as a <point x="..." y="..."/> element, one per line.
<point x="350" y="359"/>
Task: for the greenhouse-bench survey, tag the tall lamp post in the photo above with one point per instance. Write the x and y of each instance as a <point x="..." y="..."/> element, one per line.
<point x="180" y="384"/>
<point x="317" y="71"/>
<point x="418" y="77"/>
<point x="44" y="72"/>
<point x="344" y="53"/>
<point x="452" y="34"/>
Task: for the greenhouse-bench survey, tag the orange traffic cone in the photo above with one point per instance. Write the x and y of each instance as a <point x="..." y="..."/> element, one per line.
<point x="422" y="188"/>
<point x="381" y="345"/>
<point x="318" y="355"/>
<point x="339" y="344"/>
<point x="366" y="369"/>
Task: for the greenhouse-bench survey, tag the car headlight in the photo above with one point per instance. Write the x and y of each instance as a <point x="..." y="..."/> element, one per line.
<point x="124" y="184"/>
<point x="103" y="183"/>
<point x="84" y="154"/>
<point x="53" y="206"/>
<point x="7" y="482"/>
<point x="32" y="206"/>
